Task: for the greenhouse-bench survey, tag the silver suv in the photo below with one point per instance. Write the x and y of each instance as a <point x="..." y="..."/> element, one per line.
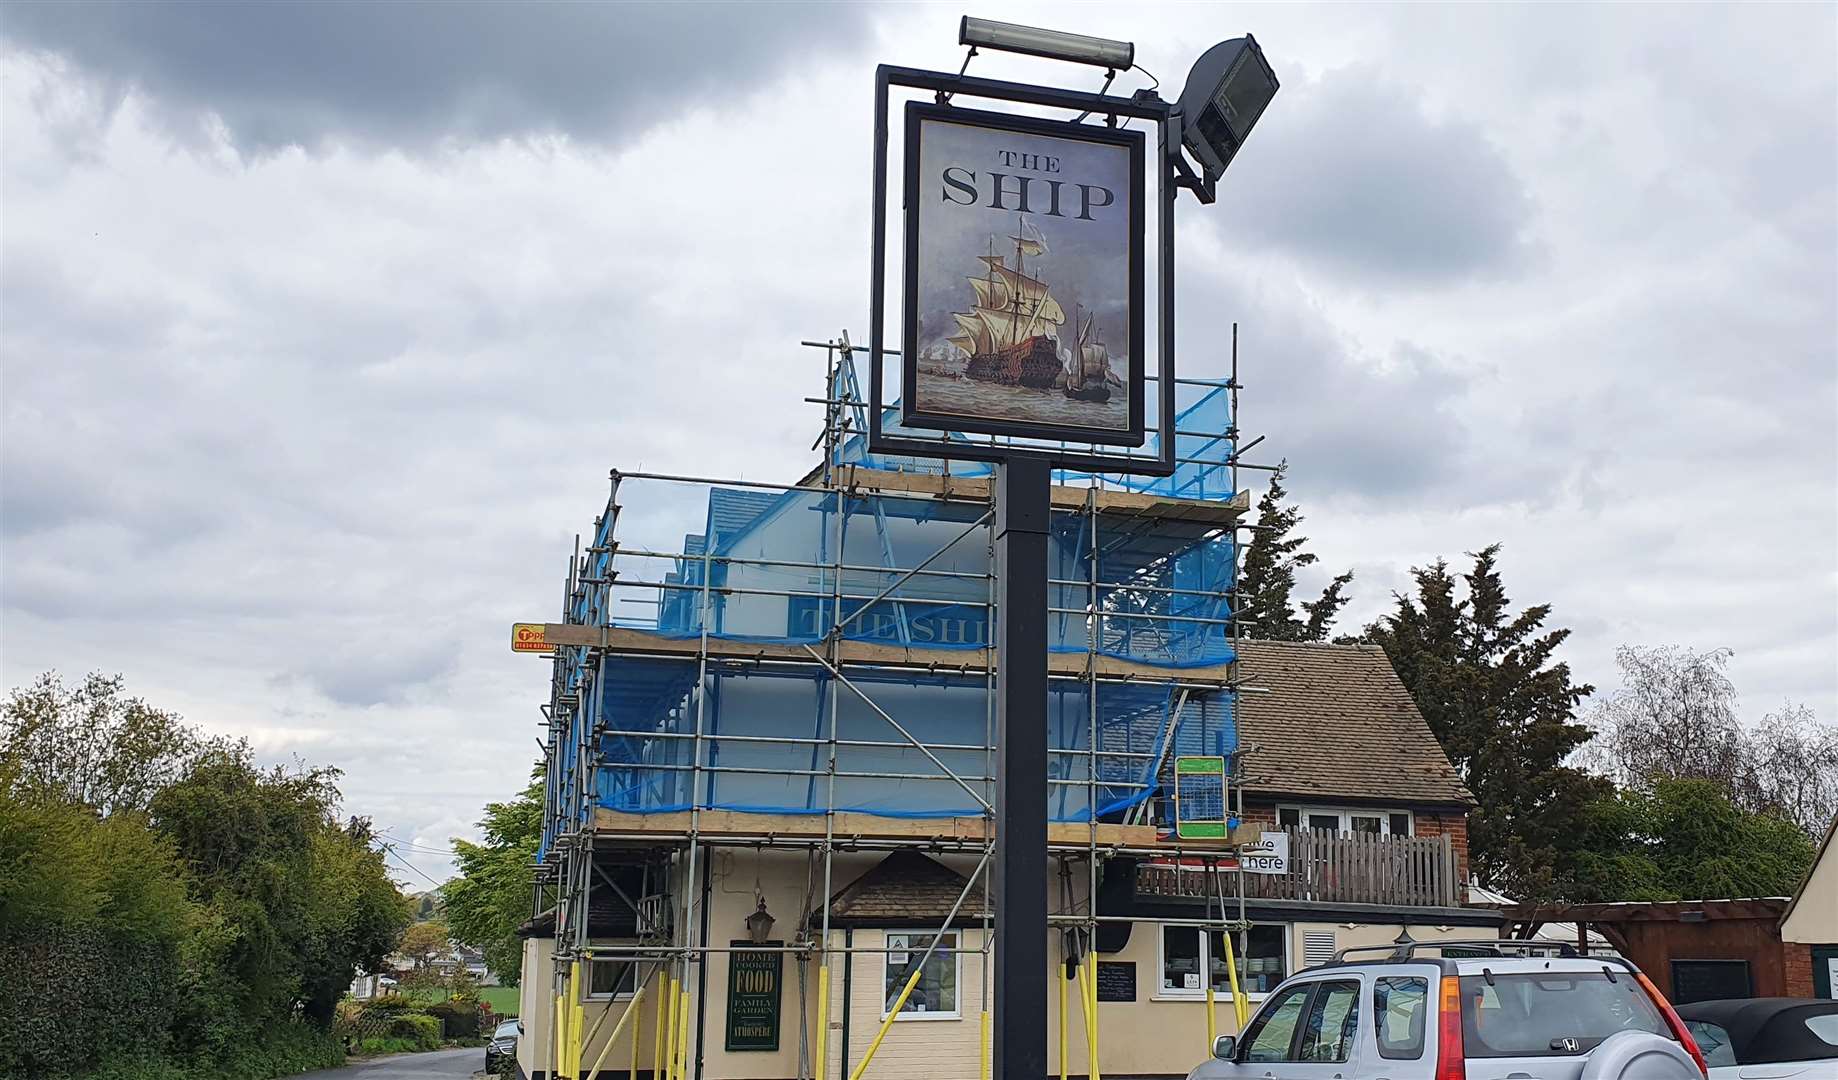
<point x="1476" y="1011"/>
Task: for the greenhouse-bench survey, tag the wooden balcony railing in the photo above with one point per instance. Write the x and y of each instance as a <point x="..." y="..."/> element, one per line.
<point x="1357" y="868"/>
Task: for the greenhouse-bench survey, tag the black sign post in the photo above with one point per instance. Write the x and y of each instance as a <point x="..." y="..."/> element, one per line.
<point x="1021" y="517"/>
<point x="1016" y="332"/>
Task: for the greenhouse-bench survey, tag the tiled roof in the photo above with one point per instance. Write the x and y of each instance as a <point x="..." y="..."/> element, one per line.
<point x="1337" y="723"/>
<point x="903" y="887"/>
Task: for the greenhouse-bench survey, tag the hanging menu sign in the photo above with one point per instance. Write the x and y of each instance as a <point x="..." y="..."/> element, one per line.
<point x="754" y="981"/>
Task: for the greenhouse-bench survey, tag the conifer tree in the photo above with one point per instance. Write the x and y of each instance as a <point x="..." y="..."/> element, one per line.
<point x="1505" y="712"/>
<point x="1267" y="579"/>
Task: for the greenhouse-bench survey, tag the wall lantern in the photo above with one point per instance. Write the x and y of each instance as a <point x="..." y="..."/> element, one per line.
<point x="759" y="924"/>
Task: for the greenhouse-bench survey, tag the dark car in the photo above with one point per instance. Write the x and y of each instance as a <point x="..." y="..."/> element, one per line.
<point x="1771" y="1037"/>
<point x="503" y="1044"/>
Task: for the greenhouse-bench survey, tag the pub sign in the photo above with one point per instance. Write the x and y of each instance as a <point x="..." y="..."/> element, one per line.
<point x="1023" y="308"/>
<point x="754" y="981"/>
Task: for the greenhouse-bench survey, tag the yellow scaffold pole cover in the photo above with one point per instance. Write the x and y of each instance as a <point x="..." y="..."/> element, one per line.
<point x="1091" y="990"/>
<point x="1064" y="978"/>
<point x="899" y="1003"/>
<point x="638" y="1029"/>
<point x="1240" y="1007"/>
<point x="666" y="998"/>
<point x="631" y="1010"/>
<point x="558" y="1033"/>
<point x="985" y="1048"/>
<point x="682" y="1057"/>
<point x="822" y="1061"/>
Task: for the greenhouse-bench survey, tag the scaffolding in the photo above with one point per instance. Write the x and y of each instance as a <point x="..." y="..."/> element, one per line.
<point x="813" y="670"/>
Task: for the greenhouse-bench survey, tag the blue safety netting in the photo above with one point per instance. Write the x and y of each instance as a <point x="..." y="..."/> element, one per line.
<point x="781" y="567"/>
<point x="766" y="732"/>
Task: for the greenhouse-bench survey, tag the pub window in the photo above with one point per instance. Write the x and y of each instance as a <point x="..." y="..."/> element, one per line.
<point x="934" y="996"/>
<point x="611" y="978"/>
<point x="1344" y="820"/>
<point x="1190" y="956"/>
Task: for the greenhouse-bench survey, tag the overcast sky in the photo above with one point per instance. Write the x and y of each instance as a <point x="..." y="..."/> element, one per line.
<point x="322" y="325"/>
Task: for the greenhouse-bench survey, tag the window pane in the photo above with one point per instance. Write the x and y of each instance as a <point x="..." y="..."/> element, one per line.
<point x="1181" y="958"/>
<point x="1825" y="1026"/>
<point x="1333" y="1021"/>
<point x="1289" y="817"/>
<point x="1265" y="963"/>
<point x="1401" y="1006"/>
<point x="1713" y="1041"/>
<point x="936" y="990"/>
<point x="609" y="977"/>
<point x="1400" y="825"/>
<point x="1324" y="822"/>
<point x="1528" y="1015"/>
<point x="1269" y="1035"/>
<point x="1367" y="823"/>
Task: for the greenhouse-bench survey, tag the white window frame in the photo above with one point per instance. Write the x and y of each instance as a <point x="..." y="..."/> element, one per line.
<point x="1346" y="814"/>
<point x="957" y="977"/>
<point x="623" y="995"/>
<point x="1167" y="993"/>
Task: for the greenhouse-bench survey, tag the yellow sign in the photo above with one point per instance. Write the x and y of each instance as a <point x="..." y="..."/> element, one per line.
<point x="528" y="637"/>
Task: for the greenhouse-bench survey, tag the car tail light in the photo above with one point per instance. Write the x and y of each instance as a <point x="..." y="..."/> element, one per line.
<point x="1451" y="1064"/>
<point x="1679" y="1031"/>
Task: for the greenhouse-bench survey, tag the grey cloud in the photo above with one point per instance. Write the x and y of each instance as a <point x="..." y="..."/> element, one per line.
<point x="415" y="72"/>
<point x="1353" y="426"/>
<point x="1350" y="172"/>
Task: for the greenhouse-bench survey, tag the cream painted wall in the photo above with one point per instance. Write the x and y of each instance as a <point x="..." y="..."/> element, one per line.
<point x="1814" y="919"/>
<point x="1144" y="1037"/>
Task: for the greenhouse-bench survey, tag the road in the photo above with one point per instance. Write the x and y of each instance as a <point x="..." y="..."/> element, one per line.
<point x="433" y="1065"/>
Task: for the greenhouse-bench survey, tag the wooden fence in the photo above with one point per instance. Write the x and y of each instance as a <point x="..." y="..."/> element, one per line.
<point x="1355" y="868"/>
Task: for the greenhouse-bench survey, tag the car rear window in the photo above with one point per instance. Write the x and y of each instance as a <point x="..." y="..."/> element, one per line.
<point x="1551" y="1014"/>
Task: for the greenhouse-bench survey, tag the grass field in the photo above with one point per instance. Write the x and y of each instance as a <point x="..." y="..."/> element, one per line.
<point x="502" y="999"/>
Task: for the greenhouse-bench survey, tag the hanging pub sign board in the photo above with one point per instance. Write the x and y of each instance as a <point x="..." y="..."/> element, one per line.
<point x="754" y="978"/>
<point x="1023" y="308"/>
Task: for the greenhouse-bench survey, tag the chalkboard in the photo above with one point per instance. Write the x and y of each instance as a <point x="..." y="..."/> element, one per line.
<point x="1709" y="980"/>
<point x="1116" y="980"/>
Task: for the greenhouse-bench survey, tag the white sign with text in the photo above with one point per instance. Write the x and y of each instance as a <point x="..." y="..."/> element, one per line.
<point x="1269" y="855"/>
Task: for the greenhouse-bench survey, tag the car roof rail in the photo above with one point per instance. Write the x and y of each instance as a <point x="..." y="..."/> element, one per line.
<point x="1485" y="947"/>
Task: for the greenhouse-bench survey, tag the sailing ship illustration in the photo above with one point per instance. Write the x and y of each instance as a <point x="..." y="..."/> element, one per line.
<point x="1088" y="374"/>
<point x="1010" y="335"/>
<point x="1010" y="332"/>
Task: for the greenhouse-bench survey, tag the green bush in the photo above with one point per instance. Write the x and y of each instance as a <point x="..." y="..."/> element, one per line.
<point x="419" y="1028"/>
<point x="283" y="1051"/>
<point x="461" y="1018"/>
<point x="368" y="1047"/>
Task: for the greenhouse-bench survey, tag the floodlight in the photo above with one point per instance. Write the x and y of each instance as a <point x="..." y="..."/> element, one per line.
<point x="1052" y="44"/>
<point x="1225" y="94"/>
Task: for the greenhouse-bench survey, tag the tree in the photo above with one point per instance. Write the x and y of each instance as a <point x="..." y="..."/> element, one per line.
<point x="1267" y="578"/>
<point x="298" y="900"/>
<point x="423" y="943"/>
<point x="1685" y="840"/>
<point x="1504" y="710"/>
<point x="491" y="898"/>
<point x="92" y="744"/>
<point x="1674" y="717"/>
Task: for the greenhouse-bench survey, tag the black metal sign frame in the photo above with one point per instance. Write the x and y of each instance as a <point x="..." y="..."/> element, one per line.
<point x="1167" y="139"/>
<point x="1131" y="141"/>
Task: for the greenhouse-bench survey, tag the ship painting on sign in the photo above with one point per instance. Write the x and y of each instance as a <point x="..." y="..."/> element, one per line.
<point x="1012" y="342"/>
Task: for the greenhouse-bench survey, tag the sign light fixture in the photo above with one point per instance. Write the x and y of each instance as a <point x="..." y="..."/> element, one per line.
<point x="1226" y="92"/>
<point x="1052" y="44"/>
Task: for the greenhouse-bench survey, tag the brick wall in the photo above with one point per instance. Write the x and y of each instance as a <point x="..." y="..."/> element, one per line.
<point x="1796" y="969"/>
<point x="1455" y="827"/>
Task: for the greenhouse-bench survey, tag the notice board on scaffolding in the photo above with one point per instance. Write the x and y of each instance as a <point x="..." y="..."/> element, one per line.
<point x="755" y="977"/>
